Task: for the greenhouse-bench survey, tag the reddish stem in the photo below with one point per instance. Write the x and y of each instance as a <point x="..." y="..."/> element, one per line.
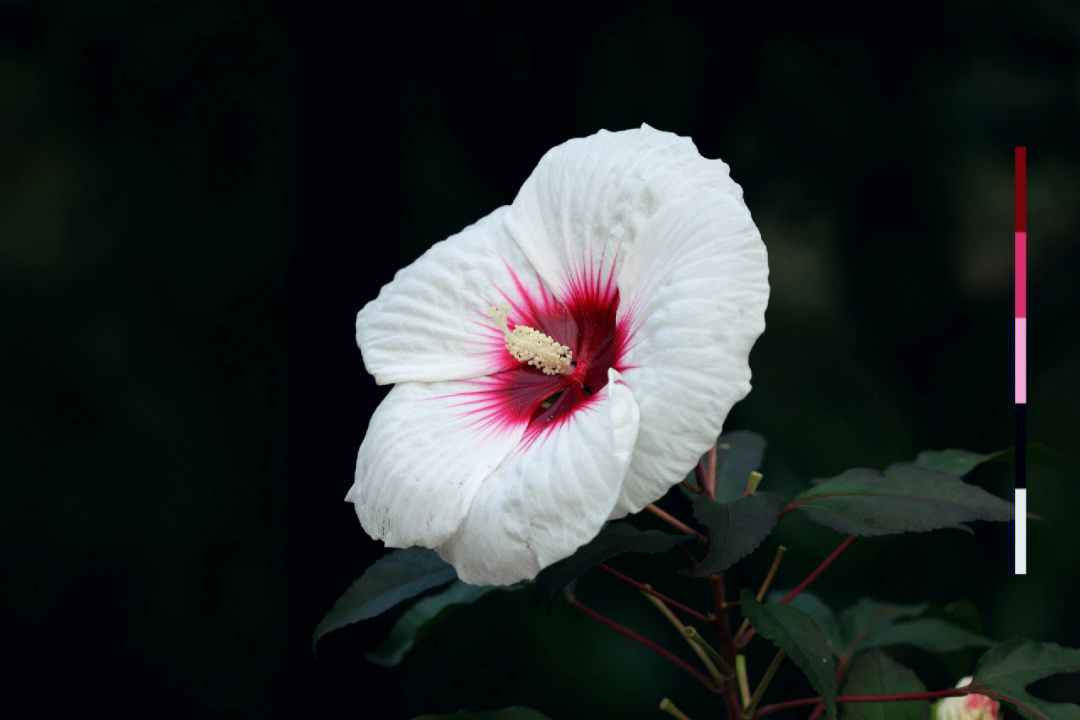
<point x="707" y="480"/>
<point x="688" y="554"/>
<point x="845" y="659"/>
<point x="951" y="692"/>
<point x="820" y="569"/>
<point x="666" y="654"/>
<point x="805" y="583"/>
<point x="675" y="523"/>
<point x="710" y="473"/>
<point x="646" y="589"/>
<point x="726" y="643"/>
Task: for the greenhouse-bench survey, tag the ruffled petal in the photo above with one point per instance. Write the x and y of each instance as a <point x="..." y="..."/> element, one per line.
<point x="428" y="449"/>
<point x="550" y="497"/>
<point x="431" y="323"/>
<point x="694" y="289"/>
<point x="583" y="206"/>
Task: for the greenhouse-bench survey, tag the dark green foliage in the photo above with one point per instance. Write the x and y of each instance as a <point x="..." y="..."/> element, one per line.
<point x="878" y="624"/>
<point x="401" y="575"/>
<point x="816" y="608"/>
<point x="875" y="673"/>
<point x="961" y="462"/>
<point x="736" y="528"/>
<point x="1005" y="672"/>
<point x="906" y="498"/>
<point x="423" y="616"/>
<point x="738" y="454"/>
<point x="614" y="539"/>
<point x="796" y="633"/>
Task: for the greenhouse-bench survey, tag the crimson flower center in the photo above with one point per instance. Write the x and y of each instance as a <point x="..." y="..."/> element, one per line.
<point x="576" y="340"/>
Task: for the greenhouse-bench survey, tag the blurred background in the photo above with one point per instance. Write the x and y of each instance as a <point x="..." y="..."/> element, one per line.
<point x="196" y="198"/>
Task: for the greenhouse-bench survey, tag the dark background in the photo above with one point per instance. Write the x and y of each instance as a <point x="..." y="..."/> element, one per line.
<point x="195" y="200"/>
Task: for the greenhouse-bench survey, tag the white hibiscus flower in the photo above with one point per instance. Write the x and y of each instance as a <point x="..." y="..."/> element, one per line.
<point x="563" y="361"/>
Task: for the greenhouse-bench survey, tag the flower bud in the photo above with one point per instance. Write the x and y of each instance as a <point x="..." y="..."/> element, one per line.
<point x="966" y="707"/>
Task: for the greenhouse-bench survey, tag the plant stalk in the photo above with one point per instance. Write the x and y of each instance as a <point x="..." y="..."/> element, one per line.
<point x="744" y="680"/>
<point x="698" y="650"/>
<point x="666" y="654"/>
<point x="769" y="709"/>
<point x="764" y="684"/>
<point x="643" y="587"/>
<point x="806" y="583"/>
<point x="726" y="643"/>
<point x="780" y="551"/>
<point x="676" y="523"/>
<point x="669" y="707"/>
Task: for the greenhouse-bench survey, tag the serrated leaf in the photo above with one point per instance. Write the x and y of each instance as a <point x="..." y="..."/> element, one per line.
<point x="736" y="528"/>
<point x="796" y="633"/>
<point x="396" y="577"/>
<point x="930" y="634"/>
<point x="510" y="713"/>
<point x="421" y="617"/>
<point x="875" y="673"/>
<point x="869" y="624"/>
<point x="738" y="454"/>
<point x="908" y="498"/>
<point x="816" y="608"/>
<point x="961" y="462"/>
<point x="868" y="616"/>
<point x="1005" y="672"/>
<point x="953" y="462"/>
<point x="613" y="539"/>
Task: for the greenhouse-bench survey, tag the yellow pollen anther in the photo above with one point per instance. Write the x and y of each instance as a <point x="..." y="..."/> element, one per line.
<point x="529" y="345"/>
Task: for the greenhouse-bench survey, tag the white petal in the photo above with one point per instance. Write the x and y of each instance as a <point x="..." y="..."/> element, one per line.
<point x="583" y="206"/>
<point x="431" y="323"/>
<point x="549" y="498"/>
<point x="695" y="287"/>
<point x="426" y="452"/>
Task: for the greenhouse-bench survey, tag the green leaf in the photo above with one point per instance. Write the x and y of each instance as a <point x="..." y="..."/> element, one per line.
<point x="736" y="528"/>
<point x="876" y="624"/>
<point x="953" y="462"/>
<point x="867" y="617"/>
<point x="421" y="617"/>
<point x="1004" y="673"/>
<point x="614" y="539"/>
<point x="796" y="633"/>
<point x="510" y="713"/>
<point x="930" y="634"/>
<point x="738" y="454"/>
<point x="392" y="579"/>
<point x="961" y="462"/>
<point x="816" y="608"/>
<point x="875" y="673"/>
<point x="907" y="498"/>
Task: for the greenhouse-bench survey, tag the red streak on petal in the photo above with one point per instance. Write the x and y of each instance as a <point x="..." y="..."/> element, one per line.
<point x="586" y="321"/>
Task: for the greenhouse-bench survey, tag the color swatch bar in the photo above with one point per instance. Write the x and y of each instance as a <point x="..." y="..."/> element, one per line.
<point x="1020" y="364"/>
